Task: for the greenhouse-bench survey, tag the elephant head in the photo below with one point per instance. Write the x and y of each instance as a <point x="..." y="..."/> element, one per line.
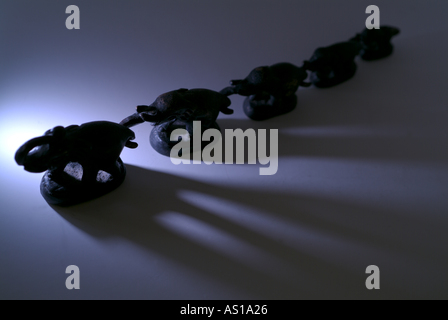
<point x="168" y="106"/>
<point x="325" y="59"/>
<point x="41" y="153"/>
<point x="259" y="79"/>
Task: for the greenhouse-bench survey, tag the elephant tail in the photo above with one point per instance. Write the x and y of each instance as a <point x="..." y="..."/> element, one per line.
<point x="131" y="144"/>
<point x="225" y="105"/>
<point x="226" y="110"/>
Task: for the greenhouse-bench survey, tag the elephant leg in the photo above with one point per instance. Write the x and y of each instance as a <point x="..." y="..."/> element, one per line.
<point x="205" y="124"/>
<point x="89" y="173"/>
<point x="113" y="169"/>
<point x="383" y="50"/>
<point x="263" y="99"/>
<point x="268" y="106"/>
<point x="58" y="174"/>
<point x="166" y="127"/>
<point x="338" y="74"/>
<point x="189" y="128"/>
<point x="345" y="71"/>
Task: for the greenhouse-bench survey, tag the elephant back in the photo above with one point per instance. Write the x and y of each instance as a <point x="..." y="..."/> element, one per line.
<point x="99" y="139"/>
<point x="342" y="52"/>
<point x="287" y="78"/>
<point x="170" y="102"/>
<point x="208" y="103"/>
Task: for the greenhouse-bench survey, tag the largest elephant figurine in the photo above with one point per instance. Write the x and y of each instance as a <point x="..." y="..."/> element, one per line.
<point x="82" y="162"/>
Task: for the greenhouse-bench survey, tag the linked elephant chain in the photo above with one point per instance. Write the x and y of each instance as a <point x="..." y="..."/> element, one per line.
<point x="83" y="162"/>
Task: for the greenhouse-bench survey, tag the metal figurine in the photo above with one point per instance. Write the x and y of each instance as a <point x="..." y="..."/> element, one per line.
<point x="83" y="162"/>
<point x="178" y="109"/>
<point x="333" y="65"/>
<point x="376" y="43"/>
<point x="270" y="91"/>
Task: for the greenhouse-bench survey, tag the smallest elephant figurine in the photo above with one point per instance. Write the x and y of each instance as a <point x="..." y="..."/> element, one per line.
<point x="81" y="162"/>
<point x="376" y="43"/>
<point x="333" y="65"/>
<point x="270" y="91"/>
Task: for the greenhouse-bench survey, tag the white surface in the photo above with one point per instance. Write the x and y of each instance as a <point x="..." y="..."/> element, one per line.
<point x="363" y="167"/>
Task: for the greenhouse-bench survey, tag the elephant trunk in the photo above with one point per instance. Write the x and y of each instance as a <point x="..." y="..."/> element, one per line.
<point x="38" y="160"/>
<point x="394" y="31"/>
<point x="132" y="120"/>
<point x="149" y="114"/>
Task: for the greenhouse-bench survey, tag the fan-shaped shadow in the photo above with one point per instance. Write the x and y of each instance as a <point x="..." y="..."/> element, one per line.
<point x="266" y="244"/>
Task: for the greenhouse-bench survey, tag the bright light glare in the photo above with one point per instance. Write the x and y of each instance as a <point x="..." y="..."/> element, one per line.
<point x="12" y="136"/>
<point x="16" y="128"/>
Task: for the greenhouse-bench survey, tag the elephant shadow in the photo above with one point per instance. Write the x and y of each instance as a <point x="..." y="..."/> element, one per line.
<point x="249" y="239"/>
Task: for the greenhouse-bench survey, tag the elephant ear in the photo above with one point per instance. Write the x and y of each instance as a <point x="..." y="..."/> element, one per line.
<point x="258" y="76"/>
<point x="187" y="114"/>
<point x="235" y="82"/>
<point x="23" y="152"/>
<point x="142" y="108"/>
<point x="81" y="147"/>
<point x="71" y="128"/>
<point x="58" y="132"/>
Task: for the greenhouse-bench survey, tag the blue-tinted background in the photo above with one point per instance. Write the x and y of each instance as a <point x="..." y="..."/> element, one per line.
<point x="363" y="167"/>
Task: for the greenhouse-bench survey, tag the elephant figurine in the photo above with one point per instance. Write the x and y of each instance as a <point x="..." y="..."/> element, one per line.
<point x="376" y="43"/>
<point x="270" y="90"/>
<point x="82" y="162"/>
<point x="178" y="109"/>
<point x="333" y="65"/>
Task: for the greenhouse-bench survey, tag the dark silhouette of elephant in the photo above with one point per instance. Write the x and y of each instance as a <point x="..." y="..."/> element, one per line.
<point x="182" y="105"/>
<point x="178" y="109"/>
<point x="376" y="43"/>
<point x="74" y="157"/>
<point x="334" y="64"/>
<point x="94" y="145"/>
<point x="270" y="90"/>
<point x="279" y="80"/>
